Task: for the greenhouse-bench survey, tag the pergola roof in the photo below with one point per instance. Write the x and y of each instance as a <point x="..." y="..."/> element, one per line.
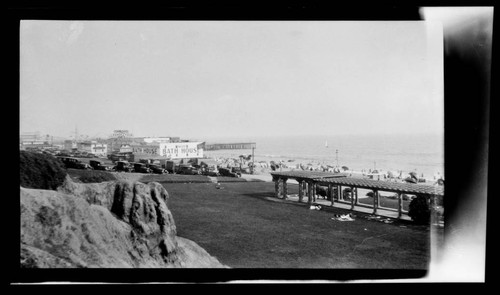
<point x="325" y="178"/>
<point x="410" y="188"/>
<point x="309" y="175"/>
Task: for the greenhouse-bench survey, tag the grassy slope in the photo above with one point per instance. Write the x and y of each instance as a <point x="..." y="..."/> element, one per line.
<point x="242" y="228"/>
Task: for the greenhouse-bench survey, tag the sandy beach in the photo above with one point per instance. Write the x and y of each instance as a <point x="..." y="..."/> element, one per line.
<point x="262" y="167"/>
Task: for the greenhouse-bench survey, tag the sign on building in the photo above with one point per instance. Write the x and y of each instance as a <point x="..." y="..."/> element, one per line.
<point x="182" y="150"/>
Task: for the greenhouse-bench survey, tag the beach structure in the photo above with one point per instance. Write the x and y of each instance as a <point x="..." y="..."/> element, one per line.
<point x="308" y="182"/>
<point x="230" y="146"/>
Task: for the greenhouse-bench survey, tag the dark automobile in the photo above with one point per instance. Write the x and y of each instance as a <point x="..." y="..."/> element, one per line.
<point x="188" y="170"/>
<point x="227" y="172"/>
<point x="208" y="172"/>
<point x="141" y="168"/>
<point x="98" y="165"/>
<point x="123" y="166"/>
<point x="70" y="162"/>
<point x="237" y="170"/>
<point x="157" y="169"/>
<point x="115" y="157"/>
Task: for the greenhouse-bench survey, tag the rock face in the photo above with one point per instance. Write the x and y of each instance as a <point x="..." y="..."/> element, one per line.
<point x="112" y="224"/>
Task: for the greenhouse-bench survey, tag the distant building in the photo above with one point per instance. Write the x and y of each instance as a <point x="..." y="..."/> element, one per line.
<point x="125" y="148"/>
<point x="121" y="134"/>
<point x="69" y="145"/>
<point x="161" y="139"/>
<point x="93" y="147"/>
<point x="146" y="149"/>
<point x="182" y="150"/>
<point x="30" y="137"/>
<point x="171" y="150"/>
<point x="230" y="146"/>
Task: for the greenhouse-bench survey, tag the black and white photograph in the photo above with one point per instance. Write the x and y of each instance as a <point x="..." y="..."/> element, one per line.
<point x="300" y="147"/>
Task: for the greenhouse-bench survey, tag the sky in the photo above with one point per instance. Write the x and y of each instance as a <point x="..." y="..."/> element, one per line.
<point x="231" y="78"/>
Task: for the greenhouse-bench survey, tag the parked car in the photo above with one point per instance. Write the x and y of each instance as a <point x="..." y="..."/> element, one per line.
<point x="115" y="157"/>
<point x="141" y="168"/>
<point x="237" y="170"/>
<point x="172" y="166"/>
<point x="188" y="170"/>
<point x="157" y="169"/>
<point x="98" y="165"/>
<point x="70" y="162"/>
<point x="227" y="172"/>
<point x="209" y="169"/>
<point x="123" y="166"/>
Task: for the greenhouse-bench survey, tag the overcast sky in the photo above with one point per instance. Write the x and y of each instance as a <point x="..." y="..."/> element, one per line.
<point x="203" y="79"/>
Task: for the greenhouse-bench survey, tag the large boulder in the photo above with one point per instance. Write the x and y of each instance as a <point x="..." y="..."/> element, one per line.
<point x="112" y="224"/>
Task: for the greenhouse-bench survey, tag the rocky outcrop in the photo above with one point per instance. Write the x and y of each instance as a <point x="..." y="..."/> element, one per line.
<point x="112" y="224"/>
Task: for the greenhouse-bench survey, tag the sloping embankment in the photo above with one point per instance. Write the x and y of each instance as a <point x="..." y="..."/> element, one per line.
<point x="117" y="224"/>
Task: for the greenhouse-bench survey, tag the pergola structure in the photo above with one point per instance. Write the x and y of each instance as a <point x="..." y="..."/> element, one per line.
<point x="308" y="182"/>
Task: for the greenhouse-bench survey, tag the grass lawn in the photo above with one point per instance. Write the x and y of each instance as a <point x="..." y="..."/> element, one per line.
<point x="175" y="178"/>
<point x="245" y="227"/>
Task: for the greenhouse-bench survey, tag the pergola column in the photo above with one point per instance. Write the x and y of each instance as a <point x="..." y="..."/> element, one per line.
<point x="330" y="193"/>
<point x="400" y="205"/>
<point x="352" y="198"/>
<point x="375" y="201"/>
<point x="284" y="188"/>
<point x="276" y="186"/>
<point x="301" y="190"/>
<point x="314" y="191"/>
<point x="309" y="192"/>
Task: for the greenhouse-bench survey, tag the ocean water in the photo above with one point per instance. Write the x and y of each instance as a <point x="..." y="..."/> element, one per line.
<point x="422" y="153"/>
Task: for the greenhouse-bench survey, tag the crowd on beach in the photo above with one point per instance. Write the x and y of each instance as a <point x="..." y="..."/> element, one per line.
<point x="265" y="165"/>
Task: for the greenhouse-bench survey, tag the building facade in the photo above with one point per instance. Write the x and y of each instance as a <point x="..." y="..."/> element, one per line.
<point x="170" y="150"/>
<point x="93" y="147"/>
<point x="182" y="150"/>
<point x="70" y="145"/>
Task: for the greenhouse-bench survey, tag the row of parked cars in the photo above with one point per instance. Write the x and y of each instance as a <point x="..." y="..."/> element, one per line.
<point x="125" y="166"/>
<point x="147" y="167"/>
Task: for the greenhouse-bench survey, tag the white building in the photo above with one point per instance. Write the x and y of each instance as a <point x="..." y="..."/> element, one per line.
<point x="171" y="150"/>
<point x="93" y="147"/>
<point x="180" y="150"/>
<point x="156" y="139"/>
<point x="126" y="148"/>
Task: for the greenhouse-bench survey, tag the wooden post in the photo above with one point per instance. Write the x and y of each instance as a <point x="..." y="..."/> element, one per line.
<point x="253" y="161"/>
<point x="309" y="193"/>
<point x="400" y="205"/>
<point x="341" y="197"/>
<point x="301" y="190"/>
<point x="356" y="200"/>
<point x="352" y="198"/>
<point x="284" y="190"/>
<point x="314" y="191"/>
<point x="276" y="187"/>
<point x="330" y="193"/>
<point x="375" y="201"/>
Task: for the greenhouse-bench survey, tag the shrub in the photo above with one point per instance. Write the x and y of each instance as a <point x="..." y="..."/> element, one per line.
<point x="91" y="176"/>
<point x="419" y="210"/>
<point x="40" y="171"/>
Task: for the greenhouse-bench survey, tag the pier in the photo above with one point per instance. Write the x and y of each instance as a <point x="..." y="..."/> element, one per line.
<point x="230" y="146"/>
